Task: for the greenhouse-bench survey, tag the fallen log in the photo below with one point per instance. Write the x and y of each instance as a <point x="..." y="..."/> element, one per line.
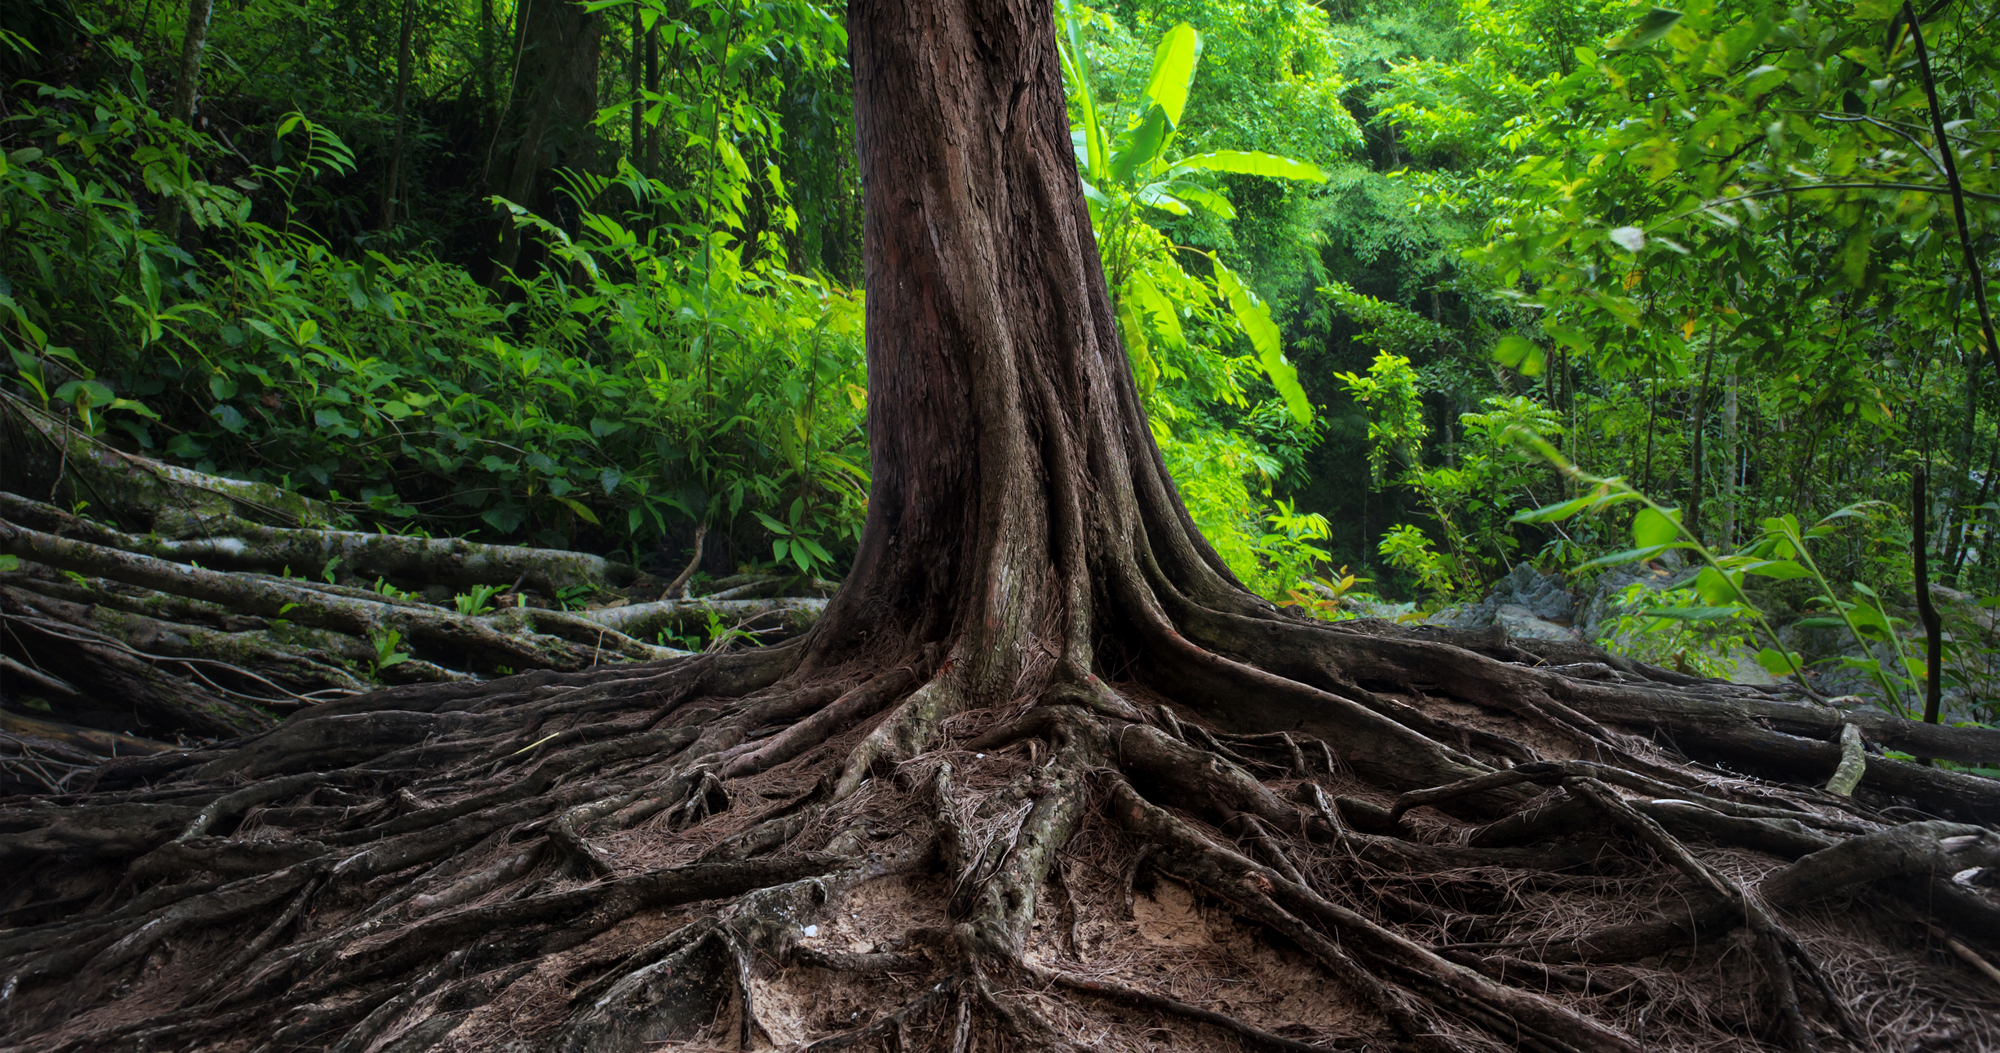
<point x="247" y="546"/>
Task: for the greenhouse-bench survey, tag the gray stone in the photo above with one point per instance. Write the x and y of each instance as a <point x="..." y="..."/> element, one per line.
<point x="1522" y="623"/>
<point x="1543" y="596"/>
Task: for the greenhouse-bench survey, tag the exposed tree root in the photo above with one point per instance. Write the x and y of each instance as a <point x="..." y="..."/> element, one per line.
<point x="118" y="632"/>
<point x="457" y="844"/>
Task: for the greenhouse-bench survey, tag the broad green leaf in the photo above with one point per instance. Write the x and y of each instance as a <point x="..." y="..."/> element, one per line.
<point x="1782" y="569"/>
<point x="1854" y="257"/>
<point x="1253" y="162"/>
<point x="1173" y="70"/>
<point x="1779" y="663"/>
<point x="1651" y="529"/>
<point x="1691" y="614"/>
<point x="1138" y="147"/>
<point x="1254" y="315"/>
<point x="1650" y="28"/>
<point x="1156" y="196"/>
<point x="582" y="511"/>
<point x="1077" y="72"/>
<point x="1166" y="321"/>
<point x="1820" y="623"/>
<point x="1519" y="354"/>
<point x="149" y="281"/>
<point x="1632" y="555"/>
<point x="506" y="518"/>
<point x="1713" y="587"/>
<point x="1255" y="318"/>
<point x="1556" y="512"/>
<point x="1202" y="198"/>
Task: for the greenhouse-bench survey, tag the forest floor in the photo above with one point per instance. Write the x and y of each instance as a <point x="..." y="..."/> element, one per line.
<point x="425" y="790"/>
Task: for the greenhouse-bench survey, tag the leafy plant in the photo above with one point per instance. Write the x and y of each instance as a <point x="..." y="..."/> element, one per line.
<point x="573" y="597"/>
<point x="1406" y="548"/>
<point x="1781" y="552"/>
<point x="1654" y="625"/>
<point x="386" y="654"/>
<point x="1127" y="174"/>
<point x="1289" y="548"/>
<point x="478" y="601"/>
<point x="384" y="588"/>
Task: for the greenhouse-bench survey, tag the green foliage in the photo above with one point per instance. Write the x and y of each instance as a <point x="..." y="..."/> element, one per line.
<point x="478" y="601"/>
<point x="386" y="654"/>
<point x="638" y="386"/>
<point x="1129" y="175"/>
<point x="1471" y="497"/>
<point x="1179" y="328"/>
<point x="1406" y="548"/>
<point x="1679" y="629"/>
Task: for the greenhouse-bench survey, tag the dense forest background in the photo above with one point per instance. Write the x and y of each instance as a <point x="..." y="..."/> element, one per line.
<point x="587" y="276"/>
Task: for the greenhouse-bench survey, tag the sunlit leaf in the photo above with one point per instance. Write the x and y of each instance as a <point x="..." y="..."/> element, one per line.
<point x="1252" y="162"/>
<point x="1173" y="70"/>
<point x="1652" y="27"/>
<point x="1519" y="354"/>
<point x="1650" y="529"/>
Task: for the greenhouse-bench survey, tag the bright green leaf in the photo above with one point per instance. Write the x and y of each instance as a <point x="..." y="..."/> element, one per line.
<point x="1253" y="162"/>
<point x="1652" y="27"/>
<point x="1173" y="70"/>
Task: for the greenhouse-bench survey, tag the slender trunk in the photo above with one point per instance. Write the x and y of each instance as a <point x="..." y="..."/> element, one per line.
<point x="636" y="82"/>
<point x="1926" y="611"/>
<point x="487" y="31"/>
<point x="517" y="47"/>
<point x="1963" y="482"/>
<point x="1652" y="415"/>
<point x="187" y="89"/>
<point x="652" y="161"/>
<point x="1732" y="471"/>
<point x="1699" y="424"/>
<point x="1947" y="158"/>
<point x="1966" y="547"/>
<point x="393" y="182"/>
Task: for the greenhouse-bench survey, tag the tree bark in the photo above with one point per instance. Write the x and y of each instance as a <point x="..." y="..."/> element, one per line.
<point x="558" y="76"/>
<point x="187" y="89"/>
<point x="1731" y="457"/>
<point x="392" y="180"/>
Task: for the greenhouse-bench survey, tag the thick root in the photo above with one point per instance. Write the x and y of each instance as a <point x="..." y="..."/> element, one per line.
<point x="585" y="850"/>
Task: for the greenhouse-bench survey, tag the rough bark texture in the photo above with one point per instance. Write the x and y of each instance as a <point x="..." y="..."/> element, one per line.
<point x="1042" y="777"/>
<point x="558" y="78"/>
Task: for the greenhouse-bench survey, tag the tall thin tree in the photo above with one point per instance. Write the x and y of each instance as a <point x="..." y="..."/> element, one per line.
<point x="187" y="90"/>
<point x="392" y="180"/>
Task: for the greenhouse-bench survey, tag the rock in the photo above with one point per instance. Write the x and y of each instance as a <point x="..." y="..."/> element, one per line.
<point x="1522" y="623"/>
<point x="1367" y="607"/>
<point x="1542" y="596"/>
<point x="1603" y="601"/>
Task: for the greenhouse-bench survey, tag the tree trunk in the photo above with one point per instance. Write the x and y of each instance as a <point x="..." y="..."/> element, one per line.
<point x="558" y="77"/>
<point x="1698" y="424"/>
<point x="187" y="89"/>
<point x="392" y="181"/>
<point x="1041" y="775"/>
<point x="487" y="59"/>
<point x="1732" y="459"/>
<point x="636" y="84"/>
